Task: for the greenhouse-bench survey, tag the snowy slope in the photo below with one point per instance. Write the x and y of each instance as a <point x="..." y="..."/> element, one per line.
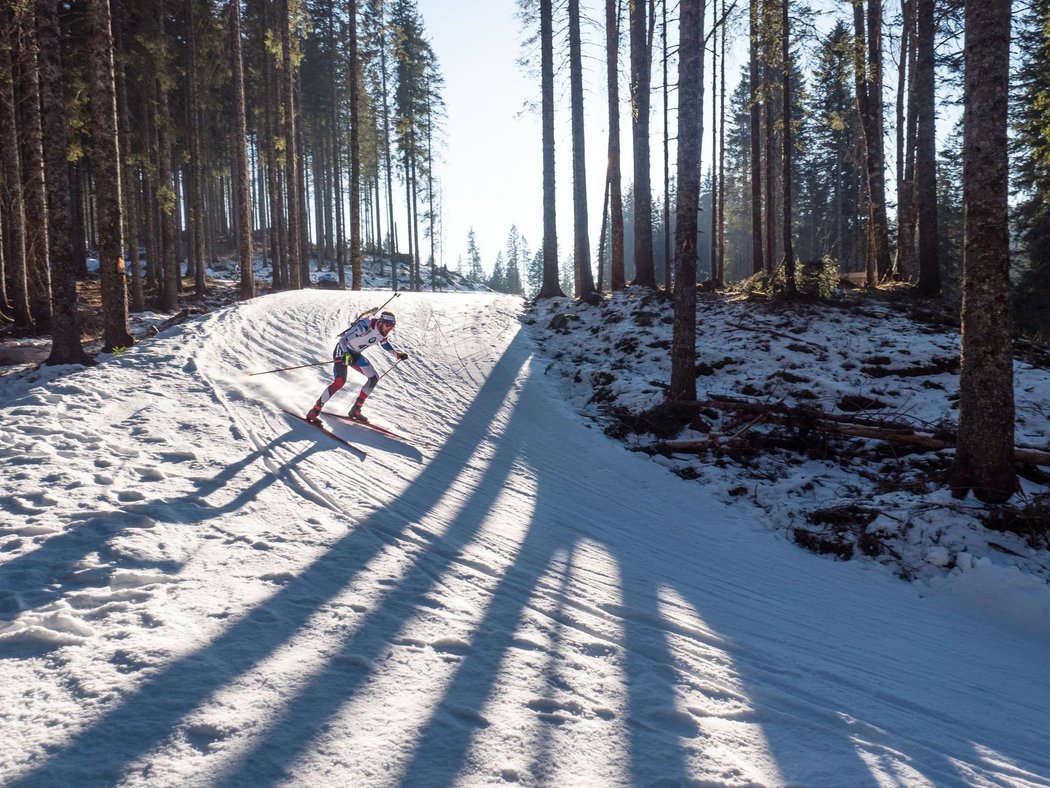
<point x="196" y="589"/>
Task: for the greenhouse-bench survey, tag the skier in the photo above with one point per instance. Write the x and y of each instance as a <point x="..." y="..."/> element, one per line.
<point x="349" y="353"/>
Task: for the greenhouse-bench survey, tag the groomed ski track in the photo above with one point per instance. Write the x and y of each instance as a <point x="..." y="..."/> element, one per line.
<point x="524" y="602"/>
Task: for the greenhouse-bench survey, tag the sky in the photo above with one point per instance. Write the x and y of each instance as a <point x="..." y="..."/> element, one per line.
<point x="197" y="588"/>
<point x="492" y="171"/>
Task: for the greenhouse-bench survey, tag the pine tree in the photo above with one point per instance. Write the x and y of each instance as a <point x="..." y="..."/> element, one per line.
<point x="515" y="255"/>
<point x="830" y="175"/>
<point x="475" y="273"/>
<point x="498" y="280"/>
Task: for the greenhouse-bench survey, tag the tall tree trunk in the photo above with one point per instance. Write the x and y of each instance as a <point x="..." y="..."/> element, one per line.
<point x="551" y="286"/>
<point x="417" y="281"/>
<point x="617" y="277"/>
<point x="335" y="139"/>
<point x="603" y="238"/>
<point x="165" y="195"/>
<point x="388" y="159"/>
<point x="128" y="171"/>
<point x="271" y="113"/>
<point x="106" y="155"/>
<point x="789" y="247"/>
<point x="869" y="105"/>
<point x="769" y="214"/>
<point x="38" y="272"/>
<point x="410" y="225"/>
<point x="5" y="305"/>
<point x="714" y="145"/>
<point x="241" y="172"/>
<point x="581" y="234"/>
<point x="195" y="201"/>
<point x="641" y="76"/>
<point x="690" y="139"/>
<point x="355" y="151"/>
<point x="984" y="456"/>
<point x="65" y="322"/>
<point x="721" y="278"/>
<point x="11" y="200"/>
<point x="926" y="152"/>
<point x="875" y="82"/>
<point x="291" y="182"/>
<point x="905" y="260"/>
<point x="430" y="184"/>
<point x="665" y="89"/>
<point x="755" y="139"/>
<point x="77" y="197"/>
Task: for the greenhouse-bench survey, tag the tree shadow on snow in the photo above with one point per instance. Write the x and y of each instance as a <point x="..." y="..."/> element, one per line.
<point x="663" y="738"/>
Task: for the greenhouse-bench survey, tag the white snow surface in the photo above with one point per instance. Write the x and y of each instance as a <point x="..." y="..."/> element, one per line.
<point x="197" y="589"/>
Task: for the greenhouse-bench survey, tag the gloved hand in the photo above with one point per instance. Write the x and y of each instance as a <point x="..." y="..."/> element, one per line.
<point x="401" y="355"/>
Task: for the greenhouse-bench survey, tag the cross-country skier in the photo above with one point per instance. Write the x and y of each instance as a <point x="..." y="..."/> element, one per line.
<point x="349" y="353"/>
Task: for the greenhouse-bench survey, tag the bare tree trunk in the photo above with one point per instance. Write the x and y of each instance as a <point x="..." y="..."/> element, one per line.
<point x="641" y="78"/>
<point x="106" y="155"/>
<point x="12" y="201"/>
<point x="38" y="272"/>
<point x="905" y="260"/>
<point x="291" y="152"/>
<point x="551" y="286"/>
<point x="389" y="165"/>
<point x="417" y="281"/>
<point x="789" y="249"/>
<point x="355" y="151"/>
<point x="720" y="279"/>
<point x="869" y="105"/>
<point x="275" y="206"/>
<point x="668" y="278"/>
<point x="65" y="323"/>
<point x="581" y="234"/>
<point x="690" y="139"/>
<point x="128" y="171"/>
<point x="241" y="171"/>
<point x="984" y="457"/>
<point x="165" y="195"/>
<point x="617" y="277"/>
<point x="769" y="224"/>
<point x="926" y="152"/>
<point x="603" y="238"/>
<point x="755" y="138"/>
<point x="195" y="200"/>
<point x="714" y="145"/>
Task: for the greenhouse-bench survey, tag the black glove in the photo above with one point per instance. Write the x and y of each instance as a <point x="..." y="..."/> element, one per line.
<point x="401" y="355"/>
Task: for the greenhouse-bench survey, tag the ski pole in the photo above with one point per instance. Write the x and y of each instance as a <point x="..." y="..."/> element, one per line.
<point x="387" y="370"/>
<point x="285" y="369"/>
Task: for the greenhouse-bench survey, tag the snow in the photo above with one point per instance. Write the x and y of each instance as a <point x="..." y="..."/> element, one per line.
<point x="197" y="589"/>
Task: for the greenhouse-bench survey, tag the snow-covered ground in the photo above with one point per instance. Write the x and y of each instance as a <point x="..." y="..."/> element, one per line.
<point x="197" y="589"/>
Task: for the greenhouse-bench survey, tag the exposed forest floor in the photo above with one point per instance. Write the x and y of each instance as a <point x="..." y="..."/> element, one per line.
<point x="834" y="420"/>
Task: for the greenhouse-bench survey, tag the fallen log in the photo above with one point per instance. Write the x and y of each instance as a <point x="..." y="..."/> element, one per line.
<point x="891" y="433"/>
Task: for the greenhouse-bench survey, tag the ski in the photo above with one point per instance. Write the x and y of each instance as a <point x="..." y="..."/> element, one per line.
<point x="370" y="426"/>
<point x="355" y="449"/>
